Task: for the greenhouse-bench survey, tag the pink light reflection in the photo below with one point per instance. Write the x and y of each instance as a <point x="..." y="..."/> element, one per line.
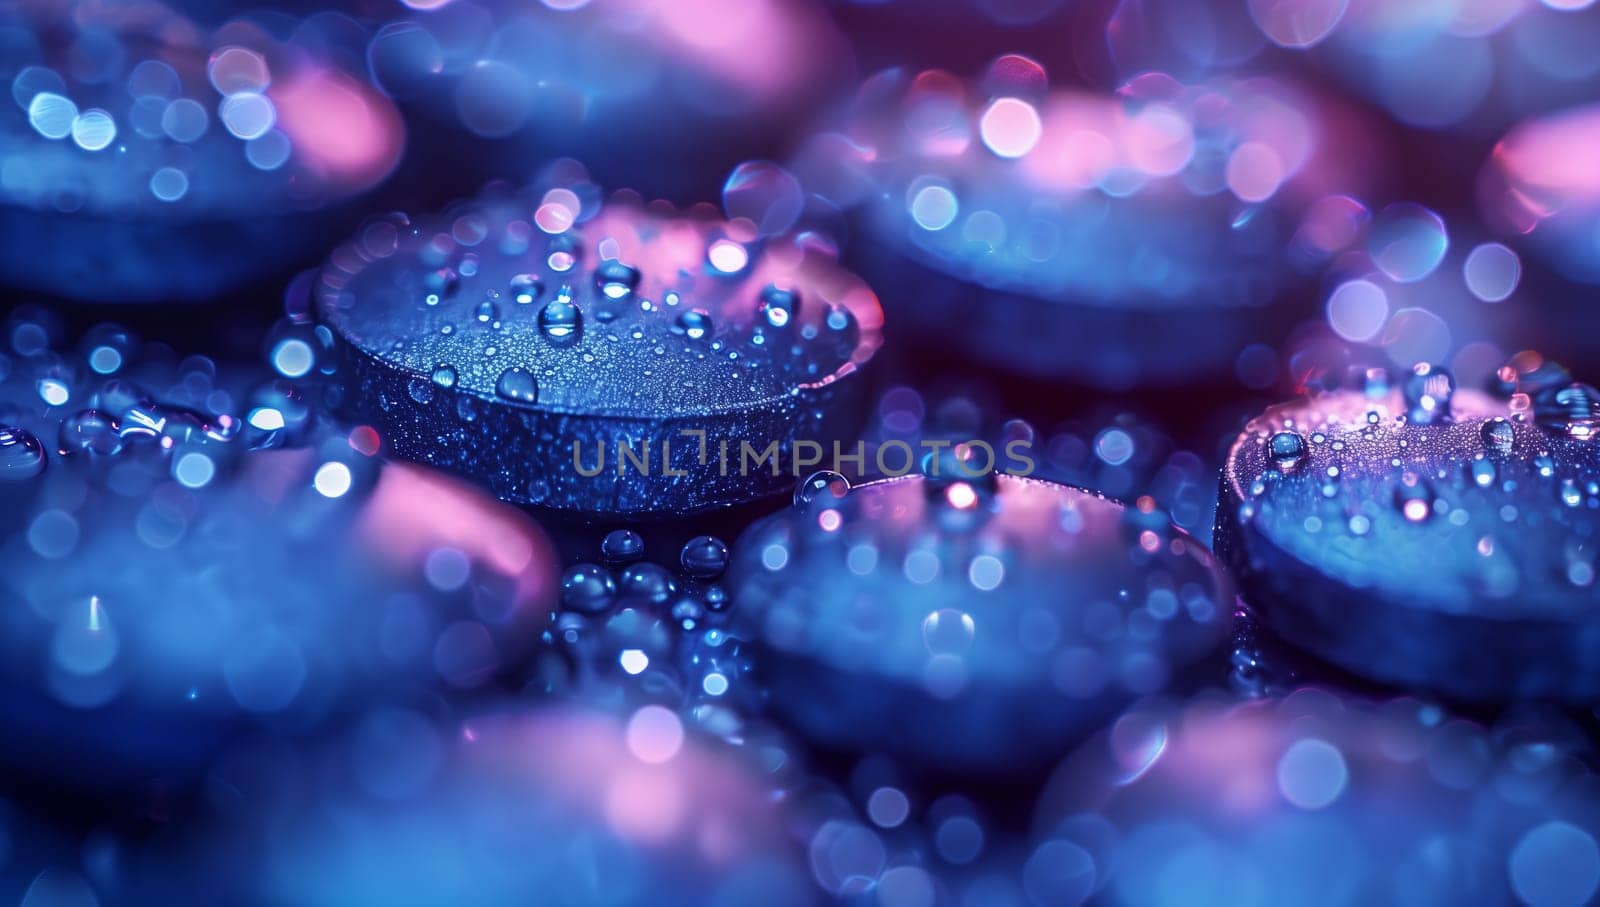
<point x="702" y="802"/>
<point x="1542" y="169"/>
<point x="341" y="129"/>
<point x="414" y="511"/>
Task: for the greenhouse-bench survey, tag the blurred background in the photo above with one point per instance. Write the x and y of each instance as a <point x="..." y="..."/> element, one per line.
<point x="1117" y="228"/>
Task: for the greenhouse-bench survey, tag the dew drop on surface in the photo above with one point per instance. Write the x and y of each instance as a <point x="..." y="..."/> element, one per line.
<point x="824" y="486"/>
<point x="615" y="279"/>
<point x="779" y="306"/>
<point x="646" y="582"/>
<point x="1573" y="411"/>
<point x="487" y="312"/>
<point x="587" y="589"/>
<point x="518" y="384"/>
<point x="621" y="546"/>
<point x="1498" y="435"/>
<point x="89" y="431"/>
<point x="22" y="457"/>
<point x="526" y="289"/>
<point x="704" y="557"/>
<point x="1287" y="450"/>
<point x="559" y="319"/>
<point x="1428" y="390"/>
<point x="444" y="376"/>
<point x="693" y="324"/>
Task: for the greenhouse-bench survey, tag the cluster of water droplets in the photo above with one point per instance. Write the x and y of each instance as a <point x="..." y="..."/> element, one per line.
<point x="202" y="545"/>
<point x="509" y="302"/>
<point x="1517" y="464"/>
<point x="663" y="630"/>
<point x="98" y="408"/>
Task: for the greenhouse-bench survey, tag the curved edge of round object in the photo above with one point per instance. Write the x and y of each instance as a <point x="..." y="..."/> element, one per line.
<point x="529" y="452"/>
<point x="1320" y="797"/>
<point x="559" y="803"/>
<point x="400" y="645"/>
<point x="1437" y="629"/>
<point x="1098" y="344"/>
<point x="1020" y="702"/>
<point x="107" y="260"/>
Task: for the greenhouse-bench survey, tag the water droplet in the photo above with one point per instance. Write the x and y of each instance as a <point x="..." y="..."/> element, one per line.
<point x="487" y="312"/>
<point x="621" y="546"/>
<point x="779" y="306"/>
<point x="615" y="279"/>
<point x="704" y="557"/>
<point x="1287" y="450"/>
<point x="1428" y="390"/>
<point x="825" y="486"/>
<point x="526" y="288"/>
<point x="444" y="376"/>
<point x="518" y="384"/>
<point x="694" y="324"/>
<point x="22" y="457"/>
<point x="1498" y="435"/>
<point x="89" y="431"/>
<point x="647" y="582"/>
<point x="687" y="613"/>
<point x="560" y="319"/>
<point x="587" y="589"/>
<point x="1573" y="411"/>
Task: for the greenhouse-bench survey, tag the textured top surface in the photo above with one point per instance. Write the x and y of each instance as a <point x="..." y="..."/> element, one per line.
<point x="629" y="312"/>
<point x="1468" y="505"/>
